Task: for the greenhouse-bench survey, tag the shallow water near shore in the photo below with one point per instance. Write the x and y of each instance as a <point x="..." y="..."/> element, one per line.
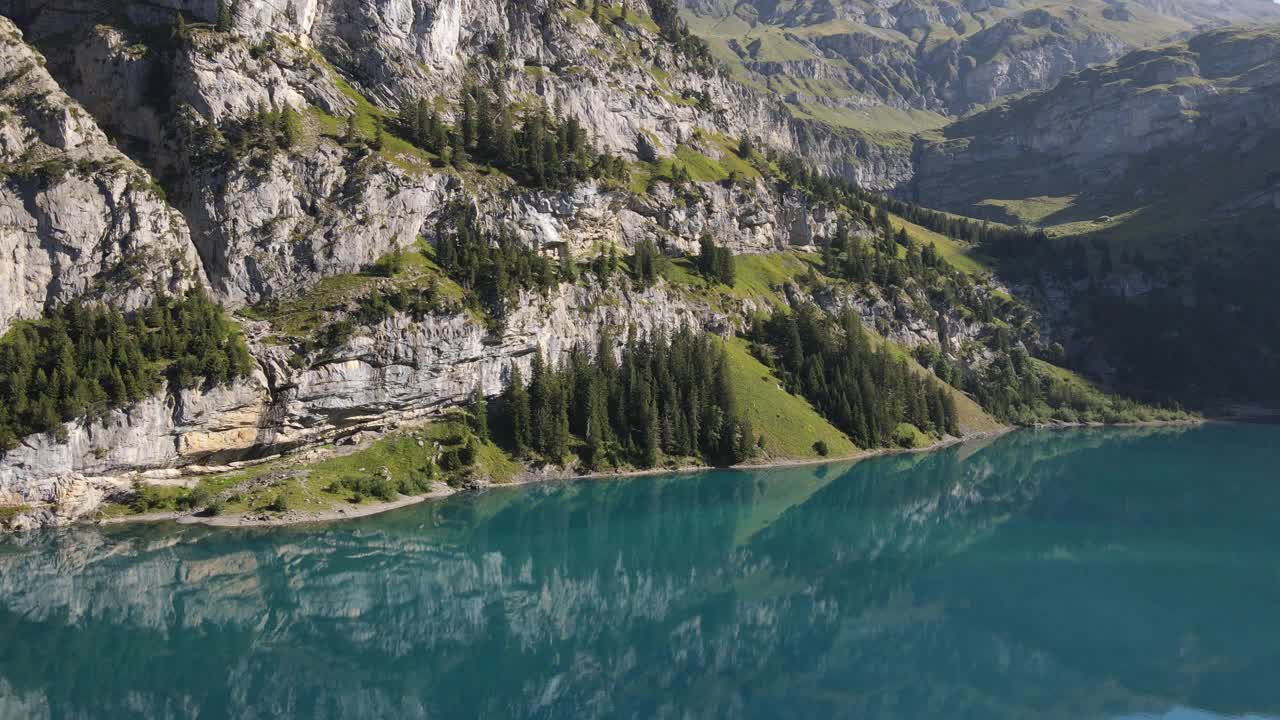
<point x="1101" y="573"/>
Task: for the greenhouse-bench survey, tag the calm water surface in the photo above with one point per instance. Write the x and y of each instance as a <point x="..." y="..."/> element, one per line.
<point x="1081" y="574"/>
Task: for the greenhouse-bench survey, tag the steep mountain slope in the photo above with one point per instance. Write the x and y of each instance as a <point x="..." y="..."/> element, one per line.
<point x="77" y="215"/>
<point x="1155" y="177"/>
<point x="895" y="66"/>
<point x="157" y="94"/>
<point x="402" y="212"/>
<point x="1162" y="141"/>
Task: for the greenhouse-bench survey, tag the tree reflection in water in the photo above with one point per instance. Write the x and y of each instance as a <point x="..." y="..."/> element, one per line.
<point x="1068" y="574"/>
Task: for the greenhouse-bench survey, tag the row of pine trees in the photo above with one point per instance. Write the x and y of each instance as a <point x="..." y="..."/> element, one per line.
<point x="668" y="395"/>
<point x="84" y="361"/>
<point x="493" y="268"/>
<point x="863" y="391"/>
<point x="533" y="147"/>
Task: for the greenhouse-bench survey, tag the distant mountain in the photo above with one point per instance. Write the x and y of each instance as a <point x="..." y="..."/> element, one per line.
<point x="906" y="65"/>
<point x="1161" y="142"/>
<point x="1157" y="180"/>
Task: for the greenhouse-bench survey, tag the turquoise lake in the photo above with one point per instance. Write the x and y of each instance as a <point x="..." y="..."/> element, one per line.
<point x="1126" y="573"/>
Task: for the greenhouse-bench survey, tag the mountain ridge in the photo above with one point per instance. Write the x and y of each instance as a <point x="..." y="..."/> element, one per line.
<point x="851" y="63"/>
<point x="401" y="226"/>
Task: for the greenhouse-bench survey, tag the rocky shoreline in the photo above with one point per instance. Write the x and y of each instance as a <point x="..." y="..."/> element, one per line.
<point x="350" y="512"/>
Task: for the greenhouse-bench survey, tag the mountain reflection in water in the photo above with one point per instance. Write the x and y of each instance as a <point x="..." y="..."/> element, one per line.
<point x="1075" y="574"/>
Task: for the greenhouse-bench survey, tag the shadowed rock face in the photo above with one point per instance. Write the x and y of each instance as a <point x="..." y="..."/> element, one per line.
<point x="881" y="589"/>
<point x="1118" y="129"/>
<point x="75" y="213"/>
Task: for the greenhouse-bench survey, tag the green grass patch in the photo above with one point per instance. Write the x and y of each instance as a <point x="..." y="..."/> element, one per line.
<point x="9" y="512"/>
<point x="789" y="424"/>
<point x="1031" y="210"/>
<point x="1073" y="398"/>
<point x="907" y="435"/>
<point x="763" y="276"/>
<point x="610" y="14"/>
<point x="300" y="317"/>
<point x="395" y="150"/>
<point x="701" y="167"/>
<point x="957" y="254"/>
<point x="408" y="462"/>
<point x="680" y="271"/>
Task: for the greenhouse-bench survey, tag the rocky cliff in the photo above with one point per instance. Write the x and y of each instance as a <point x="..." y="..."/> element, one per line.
<point x="76" y="215"/>
<point x="191" y="198"/>
<point x="258" y="224"/>
<point x="396" y="371"/>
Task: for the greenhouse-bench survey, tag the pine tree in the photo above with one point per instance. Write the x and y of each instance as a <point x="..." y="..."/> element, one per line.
<point x="468" y="124"/>
<point x="224" y="17"/>
<point x="351" y="134"/>
<point x="457" y="153"/>
<point x="290" y="127"/>
<point x="516" y="402"/>
<point x="646" y="263"/>
<point x="478" y="409"/>
<point x="181" y="32"/>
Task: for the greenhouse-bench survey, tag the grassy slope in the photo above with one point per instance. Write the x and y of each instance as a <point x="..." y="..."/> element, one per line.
<point x="307" y="487"/>
<point x="789" y="424"/>
<point x="715" y="165"/>
<point x="957" y="254"/>
<point x="299" y="317"/>
<point x="761" y="277"/>
<point x="394" y="149"/>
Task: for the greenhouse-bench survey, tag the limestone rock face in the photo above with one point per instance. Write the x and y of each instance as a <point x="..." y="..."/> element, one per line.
<point x="1034" y="68"/>
<point x="269" y="233"/>
<point x="388" y="374"/>
<point x="67" y="481"/>
<point x="265" y="227"/>
<point x="253" y="224"/>
<point x="621" y="82"/>
<point x="75" y="214"/>
<point x="162" y="431"/>
<point x="400" y="370"/>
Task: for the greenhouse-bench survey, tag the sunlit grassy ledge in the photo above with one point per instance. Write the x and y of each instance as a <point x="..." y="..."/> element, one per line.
<point x="527" y="477"/>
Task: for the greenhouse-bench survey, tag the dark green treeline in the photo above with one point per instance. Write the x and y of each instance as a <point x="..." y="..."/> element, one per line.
<point x="80" y="362"/>
<point x="865" y="392"/>
<point x="666" y="395"/>
<point x="534" y="147"/>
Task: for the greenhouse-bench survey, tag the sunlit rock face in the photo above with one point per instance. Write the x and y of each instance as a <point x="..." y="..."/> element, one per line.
<point x="939" y="56"/>
<point x="120" y="225"/>
<point x="76" y="215"/>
